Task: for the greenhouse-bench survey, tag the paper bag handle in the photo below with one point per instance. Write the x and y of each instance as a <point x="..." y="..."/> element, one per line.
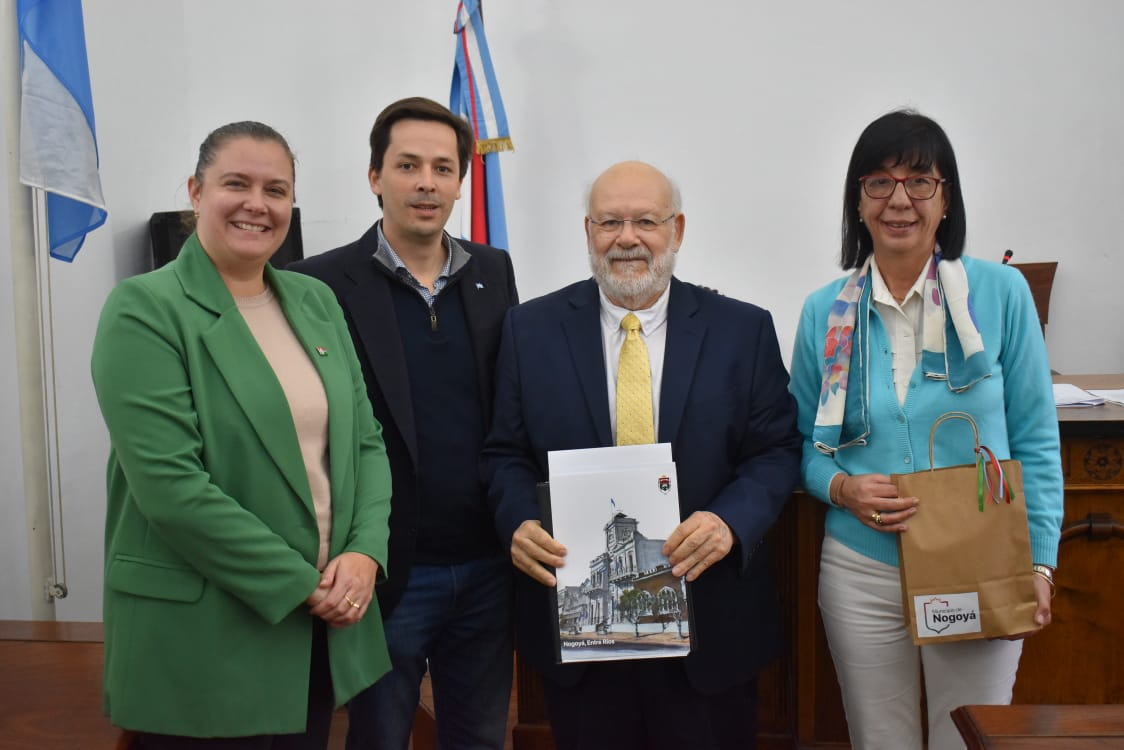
<point x="953" y="415"/>
<point x="984" y="457"/>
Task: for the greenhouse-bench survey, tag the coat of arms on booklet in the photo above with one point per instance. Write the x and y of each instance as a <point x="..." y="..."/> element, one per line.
<point x="616" y="597"/>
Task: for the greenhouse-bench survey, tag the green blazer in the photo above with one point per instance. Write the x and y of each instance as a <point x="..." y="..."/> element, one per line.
<point x="211" y="538"/>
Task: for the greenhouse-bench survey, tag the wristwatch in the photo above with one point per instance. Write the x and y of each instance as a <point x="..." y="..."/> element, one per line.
<point x="1044" y="570"/>
<point x="1047" y="573"/>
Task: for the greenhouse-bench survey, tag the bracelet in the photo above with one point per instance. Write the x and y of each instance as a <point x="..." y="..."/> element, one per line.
<point x="1046" y="573"/>
<point x="833" y="495"/>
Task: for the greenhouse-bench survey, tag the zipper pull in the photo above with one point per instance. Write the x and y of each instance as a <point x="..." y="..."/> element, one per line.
<point x="432" y="318"/>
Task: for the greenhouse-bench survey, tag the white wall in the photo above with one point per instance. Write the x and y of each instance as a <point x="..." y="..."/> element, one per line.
<point x="14" y="579"/>
<point x="753" y="107"/>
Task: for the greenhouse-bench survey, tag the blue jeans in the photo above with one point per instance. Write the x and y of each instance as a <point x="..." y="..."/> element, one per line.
<point x="458" y="617"/>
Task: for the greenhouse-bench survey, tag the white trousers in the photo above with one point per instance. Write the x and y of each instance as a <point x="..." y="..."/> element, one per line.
<point x="880" y="670"/>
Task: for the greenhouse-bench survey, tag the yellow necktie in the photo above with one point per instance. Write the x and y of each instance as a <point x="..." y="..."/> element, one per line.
<point x="634" y="388"/>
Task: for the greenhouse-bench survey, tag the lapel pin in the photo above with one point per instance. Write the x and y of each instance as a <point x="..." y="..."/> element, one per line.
<point x="322" y="351"/>
<point x="479" y="285"/>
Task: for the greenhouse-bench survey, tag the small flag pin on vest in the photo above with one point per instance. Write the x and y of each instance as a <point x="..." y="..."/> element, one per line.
<point x="479" y="285"/>
<point x="322" y="351"/>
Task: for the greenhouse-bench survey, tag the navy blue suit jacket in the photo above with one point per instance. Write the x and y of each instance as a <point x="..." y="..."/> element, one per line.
<point x="363" y="291"/>
<point x="724" y="407"/>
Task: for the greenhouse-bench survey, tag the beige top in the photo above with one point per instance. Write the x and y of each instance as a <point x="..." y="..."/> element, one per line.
<point x="305" y="393"/>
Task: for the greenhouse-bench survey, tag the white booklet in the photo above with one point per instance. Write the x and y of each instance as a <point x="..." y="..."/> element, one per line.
<point x="616" y="598"/>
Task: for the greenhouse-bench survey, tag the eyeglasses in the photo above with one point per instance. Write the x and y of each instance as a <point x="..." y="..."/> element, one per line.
<point x="917" y="187"/>
<point x="616" y="226"/>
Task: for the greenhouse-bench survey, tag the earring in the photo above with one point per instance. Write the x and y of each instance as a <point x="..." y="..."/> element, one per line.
<point x="196" y="214"/>
<point x="860" y="220"/>
<point x="944" y="217"/>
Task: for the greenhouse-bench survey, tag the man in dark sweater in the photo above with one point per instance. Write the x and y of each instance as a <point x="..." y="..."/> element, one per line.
<point x="425" y="311"/>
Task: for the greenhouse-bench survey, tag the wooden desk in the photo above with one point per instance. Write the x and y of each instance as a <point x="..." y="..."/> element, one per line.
<point x="1106" y="420"/>
<point x="1040" y="727"/>
<point x="1077" y="660"/>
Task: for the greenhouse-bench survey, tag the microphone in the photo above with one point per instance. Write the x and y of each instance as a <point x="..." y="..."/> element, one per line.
<point x="1007" y="257"/>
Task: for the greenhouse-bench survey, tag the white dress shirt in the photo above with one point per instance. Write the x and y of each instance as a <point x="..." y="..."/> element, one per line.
<point x="653" y="329"/>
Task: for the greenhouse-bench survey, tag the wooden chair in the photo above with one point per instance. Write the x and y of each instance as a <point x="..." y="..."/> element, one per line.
<point x="1040" y="276"/>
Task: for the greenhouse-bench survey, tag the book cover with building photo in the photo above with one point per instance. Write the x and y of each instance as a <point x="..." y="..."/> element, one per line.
<point x="616" y="597"/>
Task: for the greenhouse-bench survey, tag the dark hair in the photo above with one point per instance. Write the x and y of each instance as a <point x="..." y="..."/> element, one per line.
<point x="901" y="137"/>
<point x="419" y="108"/>
<point x="219" y="137"/>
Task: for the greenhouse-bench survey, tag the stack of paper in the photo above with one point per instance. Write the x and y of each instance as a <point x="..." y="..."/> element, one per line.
<point x="1067" y="395"/>
<point x="1115" y="395"/>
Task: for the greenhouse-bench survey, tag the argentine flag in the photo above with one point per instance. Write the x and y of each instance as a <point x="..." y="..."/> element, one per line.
<point x="58" y="146"/>
<point x="475" y="96"/>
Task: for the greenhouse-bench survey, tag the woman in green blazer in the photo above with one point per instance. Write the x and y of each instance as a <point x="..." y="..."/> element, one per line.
<point x="248" y="486"/>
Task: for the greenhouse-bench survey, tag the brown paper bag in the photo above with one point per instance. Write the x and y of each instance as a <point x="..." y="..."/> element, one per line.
<point x="965" y="563"/>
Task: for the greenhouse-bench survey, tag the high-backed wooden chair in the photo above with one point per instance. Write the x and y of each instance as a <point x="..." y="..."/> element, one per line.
<point x="1040" y="276"/>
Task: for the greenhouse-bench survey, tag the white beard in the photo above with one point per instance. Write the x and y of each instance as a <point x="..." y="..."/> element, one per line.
<point x="632" y="290"/>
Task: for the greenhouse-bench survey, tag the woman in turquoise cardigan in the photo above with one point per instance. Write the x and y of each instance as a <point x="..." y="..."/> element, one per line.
<point x="248" y="486"/>
<point x="915" y="331"/>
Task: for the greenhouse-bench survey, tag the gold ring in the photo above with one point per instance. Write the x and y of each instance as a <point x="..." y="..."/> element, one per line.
<point x="347" y="599"/>
<point x="876" y="516"/>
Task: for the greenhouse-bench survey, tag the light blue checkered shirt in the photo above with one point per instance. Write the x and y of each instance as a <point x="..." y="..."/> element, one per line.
<point x="456" y="259"/>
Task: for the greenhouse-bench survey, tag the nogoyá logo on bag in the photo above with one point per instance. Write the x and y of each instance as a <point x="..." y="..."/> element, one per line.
<point x="947" y="614"/>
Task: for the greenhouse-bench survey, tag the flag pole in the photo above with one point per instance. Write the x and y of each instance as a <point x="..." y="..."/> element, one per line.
<point x="56" y="582"/>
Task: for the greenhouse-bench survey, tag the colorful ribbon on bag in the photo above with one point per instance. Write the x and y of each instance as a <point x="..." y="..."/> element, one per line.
<point x="985" y="459"/>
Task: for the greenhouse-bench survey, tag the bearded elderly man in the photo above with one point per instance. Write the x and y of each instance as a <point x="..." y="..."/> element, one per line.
<point x="720" y="398"/>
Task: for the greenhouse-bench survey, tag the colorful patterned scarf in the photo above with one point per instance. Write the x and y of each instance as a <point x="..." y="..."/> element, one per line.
<point x="945" y="293"/>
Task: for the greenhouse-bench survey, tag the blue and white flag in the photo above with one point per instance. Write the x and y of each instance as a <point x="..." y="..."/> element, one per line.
<point x="475" y="96"/>
<point x="58" y="145"/>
